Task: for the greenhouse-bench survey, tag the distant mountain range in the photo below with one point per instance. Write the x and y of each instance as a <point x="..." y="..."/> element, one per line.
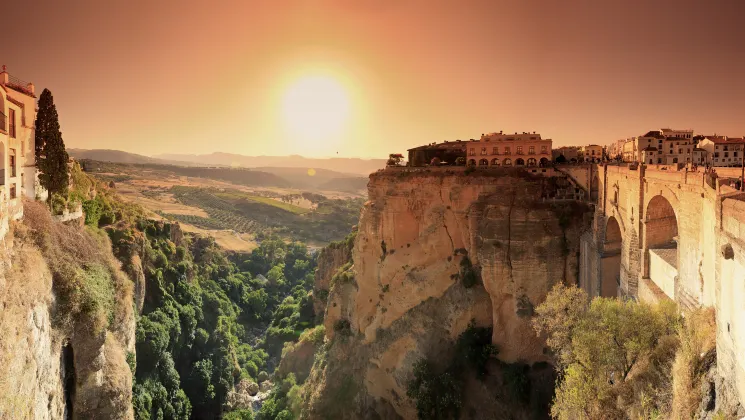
<point x="348" y="166"/>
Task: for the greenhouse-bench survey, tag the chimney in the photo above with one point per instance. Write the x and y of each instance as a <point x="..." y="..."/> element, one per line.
<point x="4" y="76"/>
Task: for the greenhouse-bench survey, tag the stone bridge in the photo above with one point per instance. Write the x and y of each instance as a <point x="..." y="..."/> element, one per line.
<point x="669" y="234"/>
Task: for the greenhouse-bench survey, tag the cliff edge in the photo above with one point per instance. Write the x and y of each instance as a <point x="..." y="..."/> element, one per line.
<point x="436" y="250"/>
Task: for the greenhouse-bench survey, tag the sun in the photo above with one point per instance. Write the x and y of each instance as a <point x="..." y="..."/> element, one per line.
<point x="315" y="108"/>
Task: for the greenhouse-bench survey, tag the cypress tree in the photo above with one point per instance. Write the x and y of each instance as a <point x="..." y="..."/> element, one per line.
<point x="51" y="156"/>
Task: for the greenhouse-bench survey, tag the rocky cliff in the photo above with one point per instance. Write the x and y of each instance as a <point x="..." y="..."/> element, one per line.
<point x="434" y="251"/>
<point x="67" y="323"/>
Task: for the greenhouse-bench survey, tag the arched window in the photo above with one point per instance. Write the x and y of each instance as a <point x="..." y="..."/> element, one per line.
<point x="531" y="162"/>
<point x="507" y="162"/>
<point x="544" y="162"/>
<point x="495" y="162"/>
<point x="471" y="162"/>
<point x="519" y="162"/>
<point x="483" y="162"/>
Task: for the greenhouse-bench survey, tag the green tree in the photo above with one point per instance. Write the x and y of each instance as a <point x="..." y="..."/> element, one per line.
<point x="51" y="156"/>
<point x="606" y="351"/>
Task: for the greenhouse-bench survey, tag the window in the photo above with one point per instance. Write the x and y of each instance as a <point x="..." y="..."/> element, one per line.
<point x="507" y="150"/>
<point x="12" y="191"/>
<point x="507" y="162"/>
<point x="495" y="150"/>
<point x="483" y="150"/>
<point x="472" y="151"/>
<point x="543" y="149"/>
<point x="12" y="153"/>
<point x="716" y="154"/>
<point x="12" y="123"/>
<point x="726" y="154"/>
<point x="519" y="150"/>
<point x="531" y="150"/>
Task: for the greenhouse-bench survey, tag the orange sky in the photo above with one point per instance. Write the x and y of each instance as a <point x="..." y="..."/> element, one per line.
<point x="157" y="76"/>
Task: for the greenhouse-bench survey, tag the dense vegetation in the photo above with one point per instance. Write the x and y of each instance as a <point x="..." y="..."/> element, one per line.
<point x="242" y="212"/>
<point x="438" y="390"/>
<point x="622" y="359"/>
<point x="209" y="320"/>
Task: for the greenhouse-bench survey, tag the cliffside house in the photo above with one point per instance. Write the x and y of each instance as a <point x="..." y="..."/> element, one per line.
<point x="673" y="146"/>
<point x="723" y="150"/>
<point x="498" y="149"/>
<point x="17" y="158"/>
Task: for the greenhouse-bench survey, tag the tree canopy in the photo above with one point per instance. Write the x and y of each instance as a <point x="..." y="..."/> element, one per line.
<point x="49" y="148"/>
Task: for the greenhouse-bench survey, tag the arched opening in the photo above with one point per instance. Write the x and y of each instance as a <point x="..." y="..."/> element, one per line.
<point x="610" y="279"/>
<point x="519" y="162"/>
<point x="67" y="372"/>
<point x="495" y="162"/>
<point x="507" y="162"/>
<point x="573" y="160"/>
<point x="471" y="162"/>
<point x="544" y="162"/>
<point x="483" y="162"/>
<point x="531" y="162"/>
<point x="661" y="244"/>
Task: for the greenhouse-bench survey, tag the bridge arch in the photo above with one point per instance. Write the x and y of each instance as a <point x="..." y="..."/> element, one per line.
<point x="661" y="256"/>
<point x="610" y="279"/>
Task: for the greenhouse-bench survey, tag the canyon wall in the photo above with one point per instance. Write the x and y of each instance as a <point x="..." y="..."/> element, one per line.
<point x="54" y="365"/>
<point x="436" y="249"/>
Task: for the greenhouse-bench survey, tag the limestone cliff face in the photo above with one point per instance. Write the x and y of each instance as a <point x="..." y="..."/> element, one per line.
<point x="330" y="260"/>
<point x="49" y="371"/>
<point x="404" y="298"/>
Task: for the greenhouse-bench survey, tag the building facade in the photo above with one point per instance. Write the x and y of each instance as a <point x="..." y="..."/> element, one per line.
<point x="723" y="150"/>
<point x="498" y="149"/>
<point x="592" y="153"/>
<point x="17" y="139"/>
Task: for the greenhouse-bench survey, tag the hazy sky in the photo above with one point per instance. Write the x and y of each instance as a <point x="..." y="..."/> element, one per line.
<point x="182" y="76"/>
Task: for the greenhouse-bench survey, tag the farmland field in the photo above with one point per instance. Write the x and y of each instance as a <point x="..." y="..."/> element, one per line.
<point x="236" y="215"/>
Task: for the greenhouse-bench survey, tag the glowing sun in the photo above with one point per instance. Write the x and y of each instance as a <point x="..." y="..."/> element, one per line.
<point x="315" y="108"/>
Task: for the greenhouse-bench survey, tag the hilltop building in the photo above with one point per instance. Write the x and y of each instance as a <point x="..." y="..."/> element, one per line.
<point x="498" y="149"/>
<point x="723" y="150"/>
<point x="592" y="153"/>
<point x="17" y="139"/>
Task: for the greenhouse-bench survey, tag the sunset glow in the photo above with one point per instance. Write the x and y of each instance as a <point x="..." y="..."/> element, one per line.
<point x="314" y="110"/>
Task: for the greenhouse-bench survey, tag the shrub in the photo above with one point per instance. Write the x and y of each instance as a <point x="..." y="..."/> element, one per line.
<point x="58" y="204"/>
<point x="468" y="275"/>
<point x="92" y="210"/>
<point x="436" y="395"/>
<point x="474" y="348"/>
<point x="343" y="327"/>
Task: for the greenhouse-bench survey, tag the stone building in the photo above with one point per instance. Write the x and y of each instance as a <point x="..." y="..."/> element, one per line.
<point x="17" y="137"/>
<point x="498" y="149"/>
<point x="723" y="150"/>
<point x="592" y="153"/>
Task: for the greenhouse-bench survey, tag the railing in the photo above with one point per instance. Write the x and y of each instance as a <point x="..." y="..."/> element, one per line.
<point x="19" y="84"/>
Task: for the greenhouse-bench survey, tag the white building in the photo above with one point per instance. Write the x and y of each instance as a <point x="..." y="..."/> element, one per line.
<point x="662" y="147"/>
<point x="17" y="137"/>
<point x="723" y="150"/>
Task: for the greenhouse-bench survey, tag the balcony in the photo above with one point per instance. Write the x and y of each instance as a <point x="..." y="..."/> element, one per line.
<point x="20" y="85"/>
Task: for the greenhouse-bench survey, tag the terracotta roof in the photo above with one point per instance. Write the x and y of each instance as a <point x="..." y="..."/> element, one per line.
<point x="725" y="139"/>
